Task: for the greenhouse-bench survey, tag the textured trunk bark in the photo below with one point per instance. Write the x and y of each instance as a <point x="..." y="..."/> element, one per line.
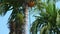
<point x="12" y="27"/>
<point x="26" y="20"/>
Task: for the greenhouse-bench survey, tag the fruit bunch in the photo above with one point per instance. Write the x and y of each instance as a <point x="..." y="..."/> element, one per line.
<point x="31" y="3"/>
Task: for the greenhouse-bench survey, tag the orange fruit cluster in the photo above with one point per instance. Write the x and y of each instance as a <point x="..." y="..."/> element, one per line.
<point x="31" y="4"/>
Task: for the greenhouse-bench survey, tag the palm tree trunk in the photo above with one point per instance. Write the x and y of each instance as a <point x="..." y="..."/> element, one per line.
<point x="26" y="20"/>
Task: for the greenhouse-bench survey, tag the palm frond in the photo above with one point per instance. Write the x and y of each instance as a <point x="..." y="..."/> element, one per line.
<point x="4" y="8"/>
<point x="43" y="30"/>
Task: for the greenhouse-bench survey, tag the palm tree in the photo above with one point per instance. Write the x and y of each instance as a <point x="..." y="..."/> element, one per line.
<point x="46" y="22"/>
<point x="18" y="19"/>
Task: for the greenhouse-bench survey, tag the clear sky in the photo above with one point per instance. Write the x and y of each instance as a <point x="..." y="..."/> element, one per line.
<point x="3" y="21"/>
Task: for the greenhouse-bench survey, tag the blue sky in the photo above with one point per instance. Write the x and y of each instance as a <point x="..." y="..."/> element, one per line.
<point x="3" y="21"/>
